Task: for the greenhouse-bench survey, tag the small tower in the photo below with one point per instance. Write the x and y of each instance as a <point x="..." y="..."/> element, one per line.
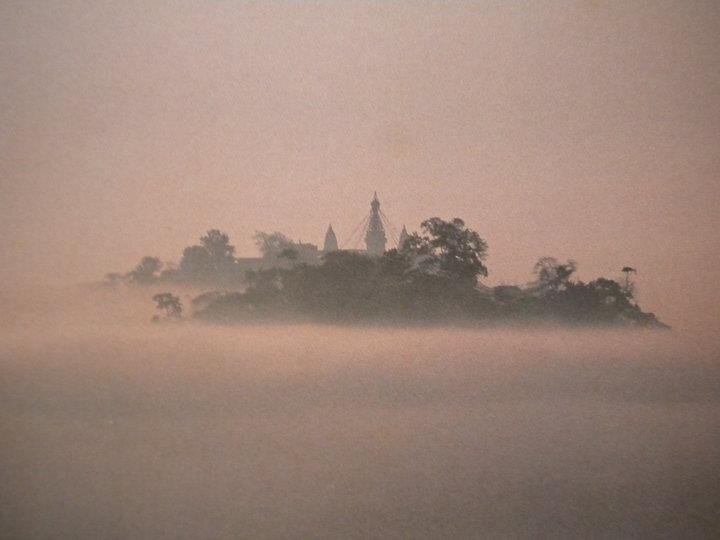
<point x="375" y="236"/>
<point x="403" y="238"/>
<point x="331" y="243"/>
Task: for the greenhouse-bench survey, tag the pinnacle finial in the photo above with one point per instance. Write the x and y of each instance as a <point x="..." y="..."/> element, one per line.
<point x="403" y="237"/>
<point x="331" y="243"/>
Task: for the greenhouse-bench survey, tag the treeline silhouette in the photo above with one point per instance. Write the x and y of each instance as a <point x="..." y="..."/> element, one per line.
<point x="432" y="278"/>
<point x="213" y="261"/>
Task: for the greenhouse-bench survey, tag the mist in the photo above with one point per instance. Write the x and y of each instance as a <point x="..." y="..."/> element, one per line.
<point x="114" y="427"/>
<point x="584" y="133"/>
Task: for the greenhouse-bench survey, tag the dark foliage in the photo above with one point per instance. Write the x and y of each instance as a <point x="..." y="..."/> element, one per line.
<point x="213" y="260"/>
<point x="449" y="249"/>
<point x="434" y="278"/>
<point x="170" y="303"/>
<point x="146" y="272"/>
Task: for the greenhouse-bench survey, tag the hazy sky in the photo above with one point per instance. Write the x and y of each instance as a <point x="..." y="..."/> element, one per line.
<point x="586" y="130"/>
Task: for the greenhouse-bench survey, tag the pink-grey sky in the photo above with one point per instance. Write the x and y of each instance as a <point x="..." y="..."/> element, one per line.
<point x="585" y="129"/>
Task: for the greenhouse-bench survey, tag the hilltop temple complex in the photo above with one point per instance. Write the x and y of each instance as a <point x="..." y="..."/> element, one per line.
<point x="374" y="227"/>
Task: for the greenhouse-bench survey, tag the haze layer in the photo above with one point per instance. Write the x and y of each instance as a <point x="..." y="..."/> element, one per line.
<point x="117" y="428"/>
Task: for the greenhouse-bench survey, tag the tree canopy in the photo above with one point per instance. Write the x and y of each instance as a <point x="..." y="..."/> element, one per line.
<point x="448" y="248"/>
<point x="170" y="303"/>
<point x="433" y="277"/>
<point x="146" y="271"/>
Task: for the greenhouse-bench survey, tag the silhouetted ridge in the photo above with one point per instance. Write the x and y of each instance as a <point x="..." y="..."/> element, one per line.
<point x="432" y="277"/>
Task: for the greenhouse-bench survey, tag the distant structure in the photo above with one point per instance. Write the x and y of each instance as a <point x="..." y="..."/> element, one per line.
<point x="403" y="238"/>
<point x="331" y="243"/>
<point x="375" y="238"/>
<point x="374" y="226"/>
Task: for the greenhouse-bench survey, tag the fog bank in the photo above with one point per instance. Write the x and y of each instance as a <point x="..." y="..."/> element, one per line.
<point x="115" y="428"/>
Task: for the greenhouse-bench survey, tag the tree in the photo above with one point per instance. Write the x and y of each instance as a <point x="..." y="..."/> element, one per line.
<point x="218" y="245"/>
<point x="629" y="287"/>
<point x="196" y="263"/>
<point x="113" y="278"/>
<point x="280" y="250"/>
<point x="290" y="253"/>
<point x="448" y="249"/>
<point x="263" y="286"/>
<point x="272" y="244"/>
<point x="212" y="259"/>
<point x="145" y="272"/>
<point x="394" y="264"/>
<point x="601" y="301"/>
<point x="348" y="283"/>
<point x="552" y="275"/>
<point x="221" y="253"/>
<point x="170" y="303"/>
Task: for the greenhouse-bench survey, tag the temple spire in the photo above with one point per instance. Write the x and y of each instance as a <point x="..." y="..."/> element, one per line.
<point x="403" y="238"/>
<point x="375" y="238"/>
<point x="331" y="243"/>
